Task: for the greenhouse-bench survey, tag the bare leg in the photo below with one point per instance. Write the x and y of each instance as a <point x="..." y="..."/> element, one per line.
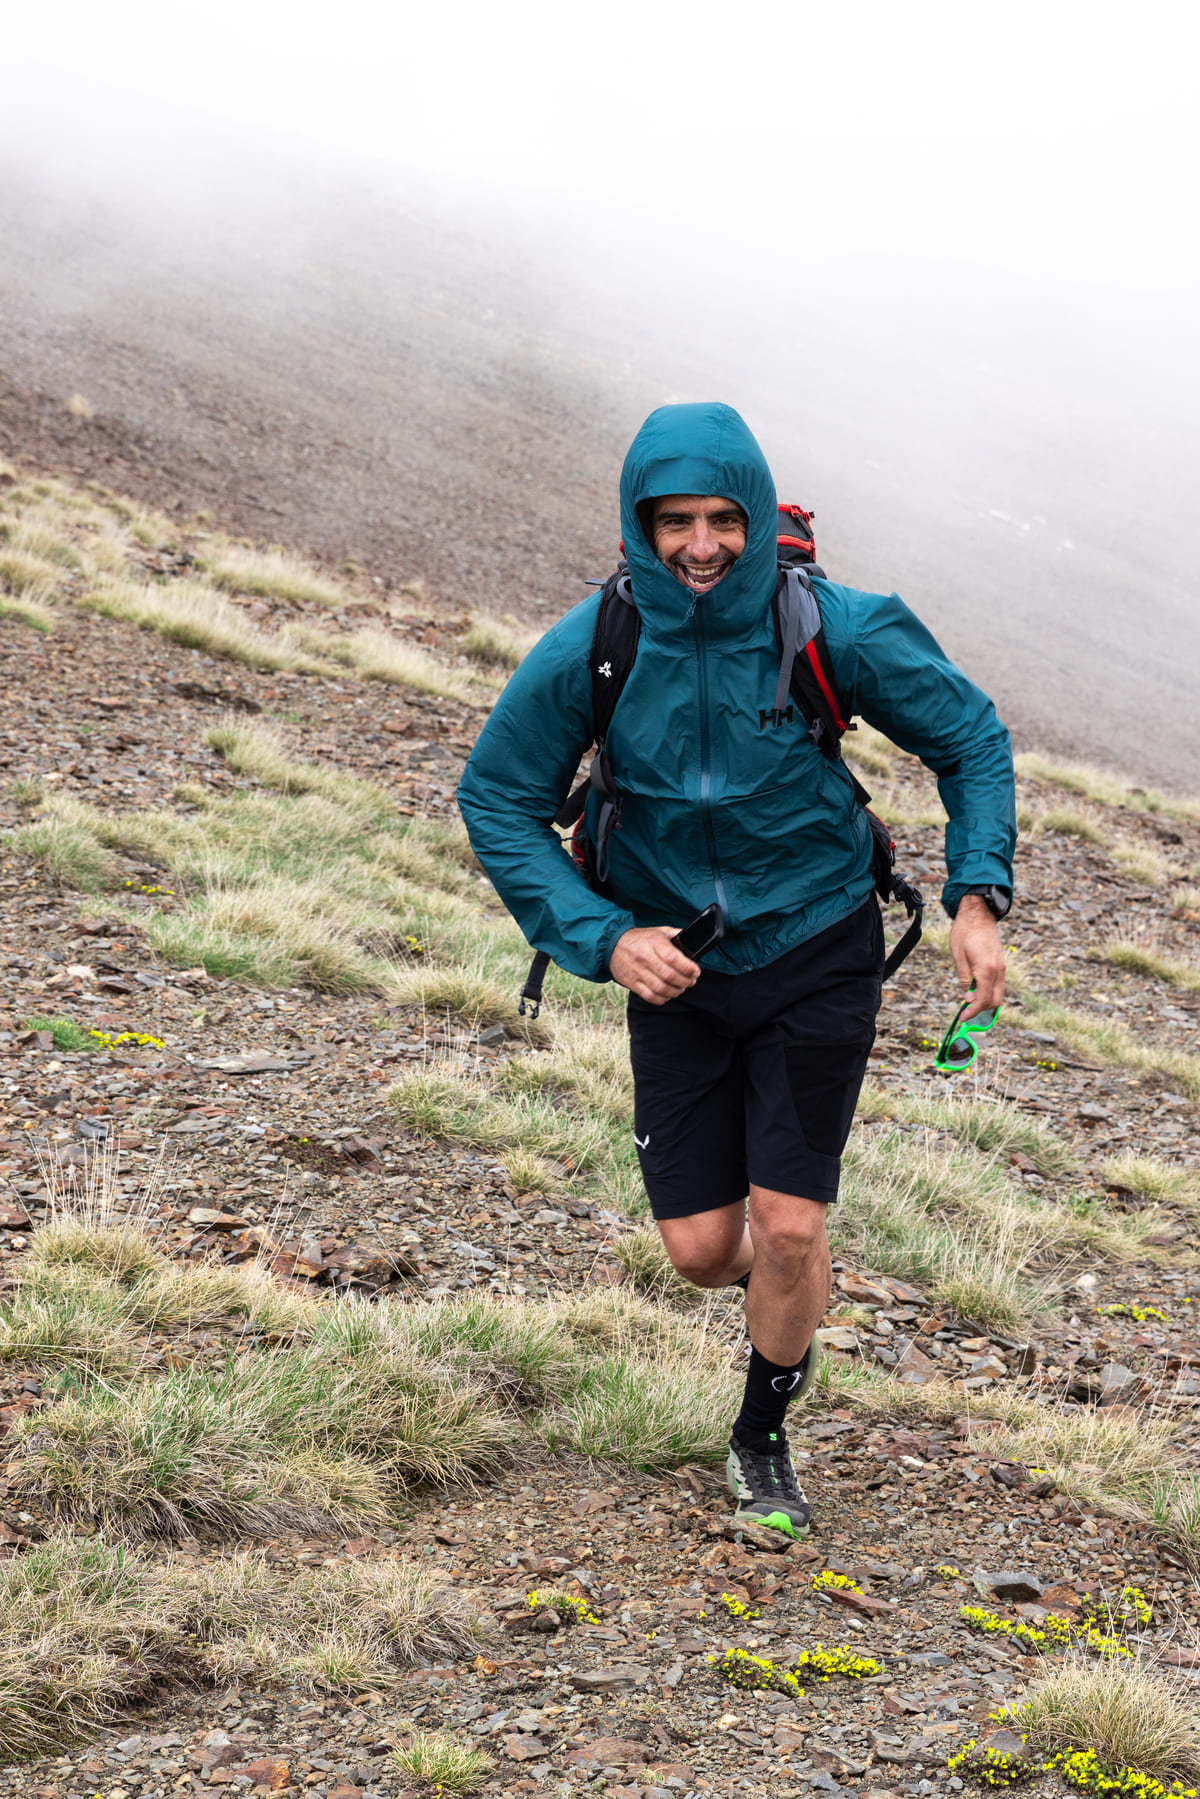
<point x="793" y="1274"/>
<point x="710" y="1249"/>
<point x="785" y="1243"/>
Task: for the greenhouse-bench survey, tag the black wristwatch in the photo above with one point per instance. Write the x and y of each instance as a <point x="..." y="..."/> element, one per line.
<point x="997" y="900"/>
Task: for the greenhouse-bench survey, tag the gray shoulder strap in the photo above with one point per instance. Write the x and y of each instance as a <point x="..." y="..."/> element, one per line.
<point x="800" y="620"/>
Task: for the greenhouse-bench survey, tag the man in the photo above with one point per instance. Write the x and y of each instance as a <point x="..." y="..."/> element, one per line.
<point x="746" y="1070"/>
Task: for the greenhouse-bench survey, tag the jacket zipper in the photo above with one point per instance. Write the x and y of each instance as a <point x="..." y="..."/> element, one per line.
<point x="710" y="836"/>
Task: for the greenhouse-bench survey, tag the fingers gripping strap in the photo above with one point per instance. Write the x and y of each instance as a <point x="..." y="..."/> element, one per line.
<point x="801" y="621"/>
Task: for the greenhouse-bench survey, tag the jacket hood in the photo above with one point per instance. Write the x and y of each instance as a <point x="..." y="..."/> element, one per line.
<point x="705" y="448"/>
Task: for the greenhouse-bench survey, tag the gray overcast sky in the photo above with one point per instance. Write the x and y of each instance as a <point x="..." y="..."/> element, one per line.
<point x="1057" y="138"/>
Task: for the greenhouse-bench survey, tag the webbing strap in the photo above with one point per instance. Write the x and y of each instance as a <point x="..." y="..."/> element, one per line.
<point x="914" y="905"/>
<point x="801" y="620"/>
<point x="532" y="990"/>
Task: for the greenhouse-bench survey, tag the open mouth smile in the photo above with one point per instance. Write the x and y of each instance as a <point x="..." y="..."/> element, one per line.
<point x="702" y="577"/>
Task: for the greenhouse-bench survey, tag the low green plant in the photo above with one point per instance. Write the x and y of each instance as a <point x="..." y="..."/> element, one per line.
<point x="66" y="1035"/>
<point x="441" y="1764"/>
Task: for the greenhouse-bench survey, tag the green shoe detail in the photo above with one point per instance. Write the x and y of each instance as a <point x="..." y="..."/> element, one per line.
<point x="772" y="1521"/>
<point x="766" y="1489"/>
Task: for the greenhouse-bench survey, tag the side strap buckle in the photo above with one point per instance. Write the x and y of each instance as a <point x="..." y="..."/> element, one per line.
<point x="532" y="990"/>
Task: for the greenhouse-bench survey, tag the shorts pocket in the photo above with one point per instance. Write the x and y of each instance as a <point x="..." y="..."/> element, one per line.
<point x="824" y="1080"/>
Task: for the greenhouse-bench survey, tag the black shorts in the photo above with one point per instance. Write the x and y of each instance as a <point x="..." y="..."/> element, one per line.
<point x="754" y="1078"/>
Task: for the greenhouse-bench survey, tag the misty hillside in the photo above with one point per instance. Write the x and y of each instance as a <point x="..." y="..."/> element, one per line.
<point x="405" y="376"/>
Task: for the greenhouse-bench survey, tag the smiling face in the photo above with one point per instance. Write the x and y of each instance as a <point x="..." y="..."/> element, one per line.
<point x="698" y="536"/>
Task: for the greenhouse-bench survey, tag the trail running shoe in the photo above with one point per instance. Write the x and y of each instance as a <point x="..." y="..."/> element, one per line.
<point x="766" y="1488"/>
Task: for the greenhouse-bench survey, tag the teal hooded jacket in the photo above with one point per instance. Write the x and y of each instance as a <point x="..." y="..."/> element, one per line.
<point x="715" y="806"/>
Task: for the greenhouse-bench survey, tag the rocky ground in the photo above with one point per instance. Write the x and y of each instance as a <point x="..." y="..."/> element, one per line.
<point x="259" y="1123"/>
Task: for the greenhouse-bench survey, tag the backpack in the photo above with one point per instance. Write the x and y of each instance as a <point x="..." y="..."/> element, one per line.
<point x="806" y="677"/>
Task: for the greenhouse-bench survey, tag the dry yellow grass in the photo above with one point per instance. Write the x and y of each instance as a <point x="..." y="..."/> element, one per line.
<point x="498" y="642"/>
<point x="50" y="528"/>
<point x="89" y="1630"/>
<point x="1103" y="786"/>
<point x="191" y="614"/>
<point x="27" y="611"/>
<point x="271" y="575"/>
<point x="1143" y="956"/>
<point x="1142" y="864"/>
<point x="1086" y="826"/>
<point x="1126" y="1711"/>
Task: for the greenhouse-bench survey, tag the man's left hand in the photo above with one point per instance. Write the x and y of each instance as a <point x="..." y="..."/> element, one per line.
<point x="978" y="953"/>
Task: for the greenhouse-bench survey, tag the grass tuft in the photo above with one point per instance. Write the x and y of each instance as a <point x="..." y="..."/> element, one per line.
<point x="498" y="642"/>
<point x="1155" y="1179"/>
<point x="65" y="1034"/>
<point x="1124" y="1710"/>
<point x="1143" y="865"/>
<point x="1071" y="824"/>
<point x="1102" y="786"/>
<point x="90" y="1629"/>
<point x="28" y="611"/>
<point x="1140" y="958"/>
<point x="440" y="1764"/>
<point x="70" y="853"/>
<point x="193" y="615"/>
<point x="1112" y="1043"/>
<point x="271" y="575"/>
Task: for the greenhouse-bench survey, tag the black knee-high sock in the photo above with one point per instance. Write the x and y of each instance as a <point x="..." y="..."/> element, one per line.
<point x="769" y="1387"/>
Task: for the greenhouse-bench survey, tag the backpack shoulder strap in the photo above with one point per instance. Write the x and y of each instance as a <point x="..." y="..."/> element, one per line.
<point x="614" y="647"/>
<point x="805" y="668"/>
<point x="615" y="637"/>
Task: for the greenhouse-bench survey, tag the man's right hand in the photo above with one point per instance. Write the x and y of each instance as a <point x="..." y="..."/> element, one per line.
<point x="647" y="962"/>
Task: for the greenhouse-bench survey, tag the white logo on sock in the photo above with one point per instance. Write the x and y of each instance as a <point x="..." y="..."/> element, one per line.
<point x="642" y="1142"/>
<point x="786" y="1383"/>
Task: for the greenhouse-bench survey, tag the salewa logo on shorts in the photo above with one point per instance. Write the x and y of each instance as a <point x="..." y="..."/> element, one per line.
<point x="642" y="1142"/>
<point x="606" y="670"/>
<point x="775" y="717"/>
<point x="786" y="1383"/>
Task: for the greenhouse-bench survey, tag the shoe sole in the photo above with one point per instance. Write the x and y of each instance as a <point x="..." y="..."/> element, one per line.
<point x="774" y="1521"/>
<point x="779" y="1521"/>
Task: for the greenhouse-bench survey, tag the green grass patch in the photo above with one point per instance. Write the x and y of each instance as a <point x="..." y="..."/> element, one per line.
<point x="438" y="1763"/>
<point x="65" y="1034"/>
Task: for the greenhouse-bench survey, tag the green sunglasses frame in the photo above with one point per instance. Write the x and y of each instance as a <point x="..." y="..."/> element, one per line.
<point x="963" y="1033"/>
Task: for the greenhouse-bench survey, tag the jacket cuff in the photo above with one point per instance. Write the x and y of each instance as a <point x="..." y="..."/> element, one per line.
<point x="953" y="892"/>
<point x="609" y="938"/>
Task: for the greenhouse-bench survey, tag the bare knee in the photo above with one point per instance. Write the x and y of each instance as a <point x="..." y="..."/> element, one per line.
<point x="709" y="1249"/>
<point x="789" y="1235"/>
<point x="702" y="1270"/>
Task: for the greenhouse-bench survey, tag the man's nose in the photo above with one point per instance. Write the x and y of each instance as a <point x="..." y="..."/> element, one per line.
<point x="702" y="545"/>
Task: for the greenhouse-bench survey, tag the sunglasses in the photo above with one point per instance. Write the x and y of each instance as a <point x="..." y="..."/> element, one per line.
<point x="958" y="1047"/>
